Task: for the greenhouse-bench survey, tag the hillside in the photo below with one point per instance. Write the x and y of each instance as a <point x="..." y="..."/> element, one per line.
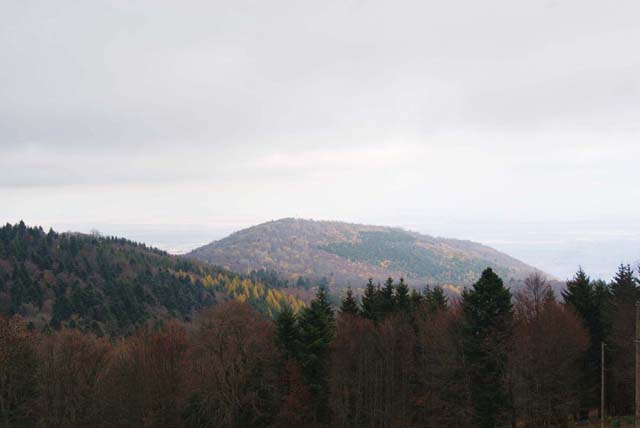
<point x="351" y="253"/>
<point x="111" y="285"/>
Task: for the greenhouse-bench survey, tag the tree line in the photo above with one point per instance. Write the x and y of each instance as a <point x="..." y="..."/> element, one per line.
<point x="393" y="357"/>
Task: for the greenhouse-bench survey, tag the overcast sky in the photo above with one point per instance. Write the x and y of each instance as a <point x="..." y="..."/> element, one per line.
<point x="474" y="119"/>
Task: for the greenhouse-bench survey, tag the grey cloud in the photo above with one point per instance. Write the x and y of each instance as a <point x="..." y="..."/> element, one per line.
<point x="254" y="72"/>
<point x="318" y="98"/>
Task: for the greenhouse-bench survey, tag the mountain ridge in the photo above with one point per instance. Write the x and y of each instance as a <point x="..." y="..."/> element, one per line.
<point x="350" y="253"/>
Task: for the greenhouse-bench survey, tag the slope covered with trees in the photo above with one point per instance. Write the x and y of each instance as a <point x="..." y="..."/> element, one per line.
<point x="393" y="359"/>
<point x="111" y="285"/>
<point x="344" y="253"/>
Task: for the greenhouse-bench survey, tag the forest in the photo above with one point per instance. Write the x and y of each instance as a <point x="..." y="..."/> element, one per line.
<point x="394" y="357"/>
<point x="112" y="286"/>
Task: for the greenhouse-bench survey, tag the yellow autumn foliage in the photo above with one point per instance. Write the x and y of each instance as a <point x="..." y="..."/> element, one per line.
<point x="270" y="300"/>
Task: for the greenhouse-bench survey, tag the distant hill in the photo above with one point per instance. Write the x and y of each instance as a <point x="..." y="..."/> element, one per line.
<point x="346" y="253"/>
<point x="110" y="285"/>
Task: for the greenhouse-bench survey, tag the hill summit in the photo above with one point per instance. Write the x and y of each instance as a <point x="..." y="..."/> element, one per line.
<point x="346" y="253"/>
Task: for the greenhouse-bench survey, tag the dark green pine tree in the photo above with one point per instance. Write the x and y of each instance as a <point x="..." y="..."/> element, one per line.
<point x="402" y="302"/>
<point x="416" y="299"/>
<point x="387" y="296"/>
<point x="601" y="297"/>
<point x="17" y="289"/>
<point x="288" y="334"/>
<point x="371" y="302"/>
<point x="436" y="299"/>
<point x="579" y="294"/>
<point x="349" y="304"/>
<point x="317" y="327"/>
<point x="625" y="283"/>
<point x="488" y="319"/>
<point x="589" y="299"/>
<point x="624" y="295"/>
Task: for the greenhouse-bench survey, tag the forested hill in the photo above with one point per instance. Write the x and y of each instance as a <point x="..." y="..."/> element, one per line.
<point x="111" y="285"/>
<point x="351" y="253"/>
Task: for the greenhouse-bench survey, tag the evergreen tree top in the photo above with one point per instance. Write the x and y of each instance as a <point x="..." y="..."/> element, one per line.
<point x="388" y="287"/>
<point x="402" y="296"/>
<point x="488" y="301"/>
<point x="287" y="333"/>
<point x="320" y="305"/>
<point x="371" y="301"/>
<point x="579" y="289"/>
<point x="349" y="304"/>
<point x="625" y="282"/>
<point x="436" y="299"/>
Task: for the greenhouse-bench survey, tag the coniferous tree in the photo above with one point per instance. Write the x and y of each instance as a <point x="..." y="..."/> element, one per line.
<point x="317" y="326"/>
<point x="436" y="299"/>
<point x="402" y="299"/>
<point x="349" y="304"/>
<point x="371" y="302"/>
<point x="624" y="294"/>
<point x="625" y="282"/>
<point x="416" y="299"/>
<point x="488" y="315"/>
<point x="288" y="334"/>
<point x="387" y="295"/>
<point x="588" y="299"/>
<point x="601" y="297"/>
<point x="579" y="294"/>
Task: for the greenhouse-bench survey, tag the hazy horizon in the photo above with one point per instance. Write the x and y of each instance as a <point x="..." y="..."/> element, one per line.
<point x="557" y="253"/>
<point x="512" y="124"/>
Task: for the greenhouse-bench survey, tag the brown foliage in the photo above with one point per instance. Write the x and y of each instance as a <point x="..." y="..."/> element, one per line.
<point x="147" y="378"/>
<point x="71" y="376"/>
<point x="442" y="395"/>
<point x="546" y="361"/>
<point x="17" y="368"/>
<point x="373" y="373"/>
<point x="225" y="371"/>
<point x="231" y="367"/>
<point x="295" y="404"/>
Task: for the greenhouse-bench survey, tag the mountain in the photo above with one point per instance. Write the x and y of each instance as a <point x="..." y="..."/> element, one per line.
<point x="345" y="253"/>
<point x="111" y="285"/>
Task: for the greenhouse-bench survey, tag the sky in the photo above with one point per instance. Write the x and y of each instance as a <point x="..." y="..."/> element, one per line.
<point x="513" y="123"/>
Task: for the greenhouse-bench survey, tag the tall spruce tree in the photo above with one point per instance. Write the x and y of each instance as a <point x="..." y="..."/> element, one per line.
<point x="371" y="302"/>
<point x="624" y="295"/>
<point x="436" y="299"/>
<point x="589" y="299"/>
<point x="317" y="326"/>
<point x="387" y="296"/>
<point x="488" y="319"/>
<point x="288" y="334"/>
<point x="601" y="297"/>
<point x="580" y="294"/>
<point x="402" y="300"/>
<point x="416" y="299"/>
<point x="349" y="305"/>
